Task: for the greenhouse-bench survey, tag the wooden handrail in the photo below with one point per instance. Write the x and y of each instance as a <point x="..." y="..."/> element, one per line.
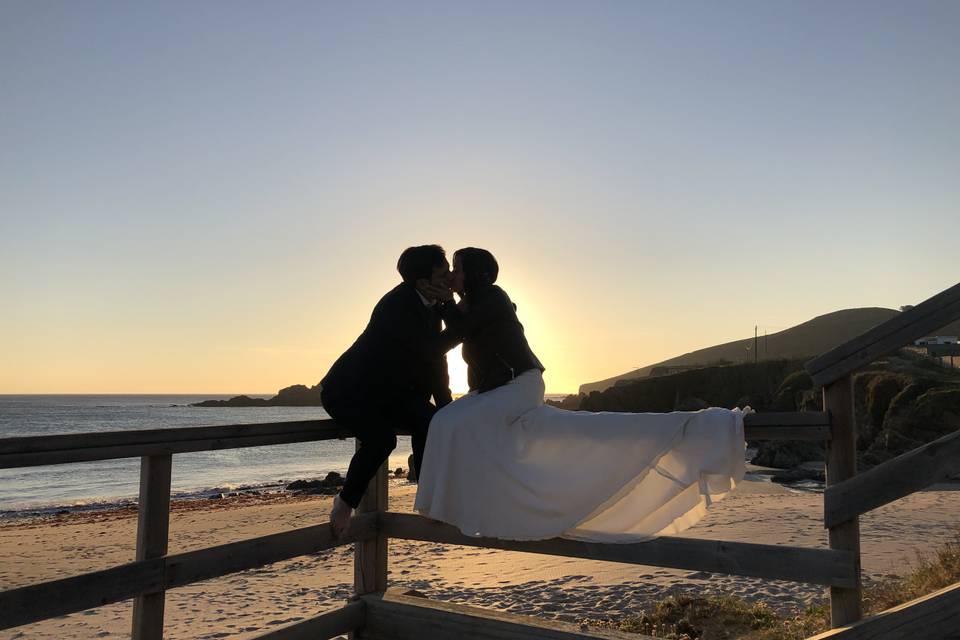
<point x="82" y="447"/>
<point x="894" y="479"/>
<point x="935" y="616"/>
<point x="887" y="337"/>
<point x="799" y="564"/>
<point x="787" y="425"/>
<point x="33" y="444"/>
<point x="28" y="604"/>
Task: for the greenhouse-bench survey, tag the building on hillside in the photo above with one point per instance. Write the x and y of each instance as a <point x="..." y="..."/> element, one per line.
<point x="935" y="340"/>
<point x="942" y="349"/>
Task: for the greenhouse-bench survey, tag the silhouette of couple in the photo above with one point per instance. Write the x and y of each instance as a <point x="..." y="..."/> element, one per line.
<point x="498" y="461"/>
<point x="385" y="381"/>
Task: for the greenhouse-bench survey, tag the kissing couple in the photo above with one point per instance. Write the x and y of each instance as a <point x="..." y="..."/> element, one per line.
<point x="498" y="462"/>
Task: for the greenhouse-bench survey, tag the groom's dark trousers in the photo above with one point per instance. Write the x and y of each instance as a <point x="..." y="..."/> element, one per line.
<point x="383" y="384"/>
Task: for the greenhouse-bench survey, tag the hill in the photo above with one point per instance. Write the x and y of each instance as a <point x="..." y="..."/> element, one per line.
<point x="901" y="401"/>
<point x="803" y="341"/>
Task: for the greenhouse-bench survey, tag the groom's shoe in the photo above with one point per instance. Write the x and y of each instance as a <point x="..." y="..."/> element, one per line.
<point x="340" y="517"/>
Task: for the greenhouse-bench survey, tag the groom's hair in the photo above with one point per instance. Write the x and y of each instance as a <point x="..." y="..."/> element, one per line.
<point x="480" y="268"/>
<point x="419" y="262"/>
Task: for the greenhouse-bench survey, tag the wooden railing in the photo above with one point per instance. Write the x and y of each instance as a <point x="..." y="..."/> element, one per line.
<point x="848" y="495"/>
<point x="154" y="571"/>
<point x="374" y="615"/>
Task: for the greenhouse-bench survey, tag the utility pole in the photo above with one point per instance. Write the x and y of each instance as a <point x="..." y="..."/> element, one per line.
<point x="754" y="344"/>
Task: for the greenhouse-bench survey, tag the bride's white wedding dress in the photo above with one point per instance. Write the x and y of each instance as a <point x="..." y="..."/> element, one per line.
<point x="503" y="464"/>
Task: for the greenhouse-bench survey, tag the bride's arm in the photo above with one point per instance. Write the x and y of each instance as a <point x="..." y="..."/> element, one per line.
<point x="493" y="307"/>
<point x="448" y="339"/>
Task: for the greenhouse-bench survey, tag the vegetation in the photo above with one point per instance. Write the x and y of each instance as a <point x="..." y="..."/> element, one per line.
<point x="901" y="402"/>
<point x="725" y="618"/>
<point x="801" y="342"/>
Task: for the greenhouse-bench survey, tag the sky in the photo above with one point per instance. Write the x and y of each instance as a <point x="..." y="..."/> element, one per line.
<point x="210" y="197"/>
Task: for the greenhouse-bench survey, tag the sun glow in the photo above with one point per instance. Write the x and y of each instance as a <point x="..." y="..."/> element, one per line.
<point x="458" y="371"/>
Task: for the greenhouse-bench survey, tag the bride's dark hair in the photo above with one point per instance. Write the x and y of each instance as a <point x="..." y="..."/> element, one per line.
<point x="480" y="268"/>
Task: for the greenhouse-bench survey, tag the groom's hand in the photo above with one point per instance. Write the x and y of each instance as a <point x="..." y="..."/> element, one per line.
<point x="434" y="292"/>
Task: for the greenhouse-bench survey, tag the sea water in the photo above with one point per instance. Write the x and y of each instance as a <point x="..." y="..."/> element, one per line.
<point x="105" y="483"/>
<point x="85" y="485"/>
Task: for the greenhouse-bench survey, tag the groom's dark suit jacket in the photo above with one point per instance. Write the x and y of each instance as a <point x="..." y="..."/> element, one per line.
<point x="400" y="356"/>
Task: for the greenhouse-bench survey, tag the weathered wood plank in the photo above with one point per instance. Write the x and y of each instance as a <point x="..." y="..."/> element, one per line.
<point x="820" y="433"/>
<point x="212" y="562"/>
<point x="84" y="447"/>
<point x="31" y="444"/>
<point x="61" y="597"/>
<point x="901" y="330"/>
<point x="909" y="472"/>
<point x="326" y="625"/>
<point x="787" y="419"/>
<point x="370" y="556"/>
<point x="397" y="617"/>
<point x="793" y="425"/>
<point x="816" y="566"/>
<point x="845" y="601"/>
<point x="69" y="595"/>
<point x="153" y="526"/>
<point x="935" y="616"/>
<point x="62" y="456"/>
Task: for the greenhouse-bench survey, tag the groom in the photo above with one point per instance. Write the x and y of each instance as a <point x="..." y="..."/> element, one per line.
<point x="384" y="381"/>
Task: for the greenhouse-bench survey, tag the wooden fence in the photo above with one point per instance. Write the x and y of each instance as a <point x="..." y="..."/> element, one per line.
<point x="380" y="613"/>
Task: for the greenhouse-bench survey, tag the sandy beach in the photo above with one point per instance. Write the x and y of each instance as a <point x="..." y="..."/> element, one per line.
<point x="247" y="604"/>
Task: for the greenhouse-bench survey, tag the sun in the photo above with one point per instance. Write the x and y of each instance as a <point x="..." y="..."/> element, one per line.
<point x="458" y="372"/>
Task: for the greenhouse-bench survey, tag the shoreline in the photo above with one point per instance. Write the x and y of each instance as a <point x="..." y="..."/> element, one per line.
<point x="129" y="511"/>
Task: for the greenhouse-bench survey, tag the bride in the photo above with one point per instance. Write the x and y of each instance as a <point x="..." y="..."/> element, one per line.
<point x="500" y="463"/>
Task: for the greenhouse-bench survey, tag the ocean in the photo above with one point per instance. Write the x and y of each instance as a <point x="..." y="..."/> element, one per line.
<point x="104" y="483"/>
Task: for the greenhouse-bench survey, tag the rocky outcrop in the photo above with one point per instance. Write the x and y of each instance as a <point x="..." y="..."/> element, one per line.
<point x="297" y="395"/>
<point x="329" y="486"/>
<point x="570" y="403"/>
<point x="814" y="471"/>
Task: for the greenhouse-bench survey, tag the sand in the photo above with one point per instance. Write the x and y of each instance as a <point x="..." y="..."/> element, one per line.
<point x="250" y="603"/>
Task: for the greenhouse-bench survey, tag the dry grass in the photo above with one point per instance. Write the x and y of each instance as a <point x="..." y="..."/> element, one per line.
<point x="930" y="574"/>
<point x="728" y="618"/>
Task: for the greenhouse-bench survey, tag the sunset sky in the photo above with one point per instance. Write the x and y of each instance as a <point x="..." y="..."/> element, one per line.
<point x="210" y="197"/>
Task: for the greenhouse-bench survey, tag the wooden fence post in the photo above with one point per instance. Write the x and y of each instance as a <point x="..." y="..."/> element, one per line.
<point x="370" y="556"/>
<point x="153" y="526"/>
<point x="845" y="604"/>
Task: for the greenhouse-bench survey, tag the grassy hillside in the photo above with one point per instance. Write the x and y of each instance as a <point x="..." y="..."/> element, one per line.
<point x="803" y="341"/>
